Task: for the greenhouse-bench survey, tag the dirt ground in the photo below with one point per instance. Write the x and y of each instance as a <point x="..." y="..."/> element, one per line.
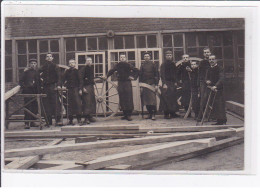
<point x="229" y="159"/>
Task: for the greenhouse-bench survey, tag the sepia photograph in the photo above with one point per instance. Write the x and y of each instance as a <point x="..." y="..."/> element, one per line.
<point x="123" y="94"/>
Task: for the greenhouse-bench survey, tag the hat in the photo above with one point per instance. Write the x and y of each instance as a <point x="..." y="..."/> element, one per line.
<point x="31" y="60"/>
<point x="168" y="52"/>
<point x="146" y="52"/>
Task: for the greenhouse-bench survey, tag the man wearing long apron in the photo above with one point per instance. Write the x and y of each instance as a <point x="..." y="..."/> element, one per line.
<point x="86" y="81"/>
<point x="215" y="79"/>
<point x="203" y="67"/>
<point x="125" y="73"/>
<point x="168" y="102"/>
<point x="51" y="80"/>
<point x="149" y="74"/>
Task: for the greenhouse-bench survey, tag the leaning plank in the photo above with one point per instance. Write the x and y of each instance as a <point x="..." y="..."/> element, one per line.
<point x="149" y="154"/>
<point x="186" y="128"/>
<point x="101" y="128"/>
<point x="12" y="92"/>
<point x="26" y="162"/>
<point x="194" y="152"/>
<point x="121" y="142"/>
<point x="235" y="107"/>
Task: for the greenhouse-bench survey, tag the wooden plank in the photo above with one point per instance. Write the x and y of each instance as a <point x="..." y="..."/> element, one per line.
<point x="101" y="128"/>
<point x="120" y="142"/>
<point x="12" y="92"/>
<point x="186" y="128"/>
<point x="85" y="139"/>
<point x="27" y="162"/>
<point x="119" y="167"/>
<point x="149" y="154"/>
<point x="194" y="152"/>
<point x="235" y="107"/>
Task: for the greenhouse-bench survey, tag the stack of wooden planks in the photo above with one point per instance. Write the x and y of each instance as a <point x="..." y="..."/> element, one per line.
<point x="167" y="144"/>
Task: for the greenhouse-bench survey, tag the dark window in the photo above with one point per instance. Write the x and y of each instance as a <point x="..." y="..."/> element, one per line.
<point x="227" y="39"/>
<point x="215" y="39"/>
<point x="167" y="41"/>
<point x="8" y="61"/>
<point x="241" y="65"/>
<point x="241" y="51"/>
<point x="81" y="59"/>
<point x="178" y="54"/>
<point x="241" y="37"/>
<point x="92" y="43"/>
<point x="42" y="59"/>
<point x="56" y="58"/>
<point x="228" y="52"/>
<point x="54" y="44"/>
<point x="22" y="61"/>
<point x="69" y="56"/>
<point x="8" y="47"/>
<point x="8" y="75"/>
<point x="81" y="44"/>
<point x="131" y="55"/>
<point x="191" y="39"/>
<point x="102" y="41"/>
<point x="217" y="52"/>
<point x="141" y="42"/>
<point x="193" y="52"/>
<point x="178" y="40"/>
<point x="44" y="46"/>
<point x="21" y="47"/>
<point x="98" y="59"/>
<point x="32" y="46"/>
<point x="152" y="41"/>
<point x="33" y="56"/>
<point x="119" y="42"/>
<point x="70" y="44"/>
<point x="129" y="42"/>
<point x="202" y="39"/>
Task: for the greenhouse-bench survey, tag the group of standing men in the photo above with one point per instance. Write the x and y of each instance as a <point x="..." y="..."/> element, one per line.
<point x="194" y="79"/>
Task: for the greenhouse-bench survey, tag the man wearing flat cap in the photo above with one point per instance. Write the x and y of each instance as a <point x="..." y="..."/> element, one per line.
<point x="168" y="102"/>
<point x="149" y="74"/>
<point x="30" y="84"/>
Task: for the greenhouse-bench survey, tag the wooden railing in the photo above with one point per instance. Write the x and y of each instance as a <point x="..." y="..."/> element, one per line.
<point x="12" y="92"/>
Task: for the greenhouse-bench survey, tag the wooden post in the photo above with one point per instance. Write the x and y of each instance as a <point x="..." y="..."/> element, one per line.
<point x="39" y="109"/>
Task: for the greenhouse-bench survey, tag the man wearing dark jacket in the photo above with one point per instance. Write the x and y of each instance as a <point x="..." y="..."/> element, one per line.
<point x="124" y="72"/>
<point x="168" y="102"/>
<point x="30" y="84"/>
<point x="149" y="74"/>
<point x="51" y="80"/>
<point x="86" y="82"/>
<point x="71" y="82"/>
<point x="215" y="79"/>
<point x="203" y="67"/>
<point x="184" y="79"/>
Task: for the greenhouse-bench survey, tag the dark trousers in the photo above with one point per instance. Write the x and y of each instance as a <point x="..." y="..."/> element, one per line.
<point x="151" y="109"/>
<point x="51" y="103"/>
<point x="204" y="93"/>
<point x="127" y="112"/>
<point x="195" y="101"/>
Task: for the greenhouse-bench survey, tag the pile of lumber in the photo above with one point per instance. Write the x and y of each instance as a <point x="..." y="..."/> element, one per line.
<point x="168" y="144"/>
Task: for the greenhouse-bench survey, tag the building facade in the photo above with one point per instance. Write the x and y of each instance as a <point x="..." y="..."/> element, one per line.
<point x="105" y="38"/>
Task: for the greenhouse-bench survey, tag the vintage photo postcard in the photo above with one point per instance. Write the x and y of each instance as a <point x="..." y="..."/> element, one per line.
<point x="155" y="92"/>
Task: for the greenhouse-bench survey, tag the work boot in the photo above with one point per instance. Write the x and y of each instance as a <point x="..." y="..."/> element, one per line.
<point x="58" y="123"/>
<point x="92" y="119"/>
<point x="27" y="126"/>
<point x="129" y="118"/>
<point x="167" y="116"/>
<point x="70" y="122"/>
<point x="220" y="122"/>
<point x="33" y="124"/>
<point x="86" y="121"/>
<point x="124" y="117"/>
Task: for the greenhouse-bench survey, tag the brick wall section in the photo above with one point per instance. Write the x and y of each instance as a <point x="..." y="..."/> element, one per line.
<point x="23" y="27"/>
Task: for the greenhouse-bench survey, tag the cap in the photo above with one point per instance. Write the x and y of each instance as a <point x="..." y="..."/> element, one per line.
<point x="31" y="60"/>
<point x="168" y="52"/>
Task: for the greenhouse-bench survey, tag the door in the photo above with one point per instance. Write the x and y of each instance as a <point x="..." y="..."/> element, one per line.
<point x="98" y="60"/>
<point x="134" y="57"/>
